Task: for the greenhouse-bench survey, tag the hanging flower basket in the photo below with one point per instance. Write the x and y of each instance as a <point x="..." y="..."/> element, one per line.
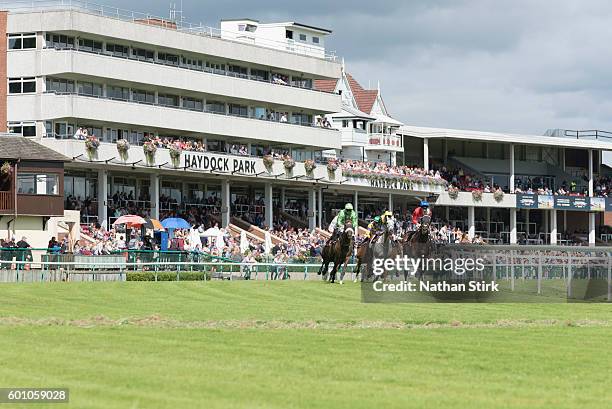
<point x="268" y="162"/>
<point x="289" y="164"/>
<point x="123" y="146"/>
<point x="309" y="166"/>
<point x="332" y="165"/>
<point x="149" y="148"/>
<point x="453" y="192"/>
<point x="6" y="169"/>
<point x="175" y="155"/>
<point x="477" y="195"/>
<point x="498" y="195"/>
<point x="91" y="146"/>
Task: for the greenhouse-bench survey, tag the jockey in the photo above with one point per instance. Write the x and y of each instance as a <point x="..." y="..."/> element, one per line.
<point x="422" y="210"/>
<point x="345" y="214"/>
<point x="373" y="227"/>
<point x="386" y="216"/>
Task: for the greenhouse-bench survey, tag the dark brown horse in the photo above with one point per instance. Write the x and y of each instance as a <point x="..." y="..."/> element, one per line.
<point x="381" y="246"/>
<point x="418" y="244"/>
<point x="338" y="251"/>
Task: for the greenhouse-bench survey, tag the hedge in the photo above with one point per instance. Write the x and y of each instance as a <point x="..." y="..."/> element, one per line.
<point x="167" y="276"/>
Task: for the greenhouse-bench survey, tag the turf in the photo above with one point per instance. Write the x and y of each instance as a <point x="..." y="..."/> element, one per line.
<point x="297" y="345"/>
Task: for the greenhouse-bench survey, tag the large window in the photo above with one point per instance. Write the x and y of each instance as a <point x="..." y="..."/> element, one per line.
<point x="260" y="75"/>
<point x="60" y="85"/>
<point x="215" y="67"/>
<point x="146" y="97"/>
<point x="22" y="85"/>
<point x="22" y="128"/>
<point x="193" y="104"/>
<point x="90" y="45"/>
<point x="215" y="107"/>
<point x="238" y="110"/>
<point x="237" y="71"/>
<point x="118" y="50"/>
<point x="37" y="184"/>
<point x="21" y="41"/>
<point x="142" y="54"/>
<point x="168" y="100"/>
<point x="90" y="88"/>
<point x="165" y="58"/>
<point x="118" y="93"/>
<point x="192" y="63"/>
<point x="59" y="41"/>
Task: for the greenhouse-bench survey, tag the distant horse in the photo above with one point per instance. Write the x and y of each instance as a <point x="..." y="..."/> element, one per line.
<point x="338" y="251"/>
<point x="381" y="246"/>
<point x="419" y="244"/>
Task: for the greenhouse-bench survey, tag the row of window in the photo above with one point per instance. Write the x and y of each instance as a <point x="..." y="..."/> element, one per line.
<point x="143" y="54"/>
<point x="302" y="37"/>
<point x="38" y="184"/>
<point x="60" y="85"/>
<point x="21" y="41"/>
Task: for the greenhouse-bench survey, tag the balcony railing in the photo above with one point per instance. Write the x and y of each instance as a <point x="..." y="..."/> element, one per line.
<point x="208" y="70"/>
<point x="386" y="140"/>
<point x="7" y="201"/>
<point x="204" y="110"/>
<point x="160" y="22"/>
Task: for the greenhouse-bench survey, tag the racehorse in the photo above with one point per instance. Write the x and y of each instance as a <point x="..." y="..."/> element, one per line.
<point x="381" y="246"/>
<point x="418" y="244"/>
<point x="338" y="251"/>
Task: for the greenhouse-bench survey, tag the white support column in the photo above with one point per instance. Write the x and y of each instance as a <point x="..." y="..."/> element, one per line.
<point x="563" y="158"/>
<point x="225" y="203"/>
<point x="591" y="229"/>
<point x="311" y="209"/>
<point x="154" y="195"/>
<point x="103" y="198"/>
<point x="320" y="208"/>
<point x="513" y="226"/>
<point x="553" y="226"/>
<point x="426" y="153"/>
<point x="390" y="205"/>
<point x="269" y="208"/>
<point x="590" y="172"/>
<point x="471" y="222"/>
<point x="511" y="168"/>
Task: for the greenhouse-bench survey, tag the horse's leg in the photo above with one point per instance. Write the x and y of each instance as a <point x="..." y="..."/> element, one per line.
<point x="332" y="275"/>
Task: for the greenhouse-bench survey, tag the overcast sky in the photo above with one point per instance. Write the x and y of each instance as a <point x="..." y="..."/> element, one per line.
<point x="515" y="66"/>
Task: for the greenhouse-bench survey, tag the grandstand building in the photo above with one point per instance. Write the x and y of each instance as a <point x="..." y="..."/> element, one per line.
<point x="229" y="122"/>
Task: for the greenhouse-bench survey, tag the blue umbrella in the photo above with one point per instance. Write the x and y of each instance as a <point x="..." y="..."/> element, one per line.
<point x="175" y="223"/>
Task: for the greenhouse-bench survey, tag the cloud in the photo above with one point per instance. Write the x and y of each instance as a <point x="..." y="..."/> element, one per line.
<point x="516" y="66"/>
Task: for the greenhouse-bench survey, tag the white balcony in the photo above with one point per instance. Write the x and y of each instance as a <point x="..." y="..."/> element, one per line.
<point x="385" y="142"/>
<point x="54" y="106"/>
<point x="50" y="62"/>
<point x="210" y="162"/>
<point x="76" y="17"/>
<point x="354" y="137"/>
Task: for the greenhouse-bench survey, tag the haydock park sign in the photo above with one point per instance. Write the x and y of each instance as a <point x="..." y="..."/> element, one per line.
<point x="391" y="184"/>
<point x="219" y="163"/>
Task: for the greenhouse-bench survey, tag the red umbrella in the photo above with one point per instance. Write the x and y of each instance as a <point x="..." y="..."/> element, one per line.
<point x="130" y="220"/>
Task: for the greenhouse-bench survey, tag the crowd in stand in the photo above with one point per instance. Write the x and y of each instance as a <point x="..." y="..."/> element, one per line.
<point x="383" y="168"/>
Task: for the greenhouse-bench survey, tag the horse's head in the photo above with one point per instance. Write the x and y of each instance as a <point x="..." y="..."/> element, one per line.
<point x="425" y="222"/>
<point x="390" y="224"/>
<point x="349" y="232"/>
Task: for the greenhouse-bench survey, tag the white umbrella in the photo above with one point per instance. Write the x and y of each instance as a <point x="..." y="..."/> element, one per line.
<point x="212" y="232"/>
<point x="244" y="243"/>
<point x="267" y="243"/>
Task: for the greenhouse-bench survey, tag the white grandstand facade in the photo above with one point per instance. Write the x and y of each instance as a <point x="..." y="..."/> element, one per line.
<point x="238" y="96"/>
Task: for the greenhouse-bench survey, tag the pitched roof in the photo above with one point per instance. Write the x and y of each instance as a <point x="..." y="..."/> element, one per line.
<point x="19" y="147"/>
<point x="325" y="85"/>
<point x="365" y="98"/>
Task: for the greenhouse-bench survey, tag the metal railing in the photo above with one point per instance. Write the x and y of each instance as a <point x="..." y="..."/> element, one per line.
<point x="208" y="70"/>
<point x="204" y="109"/>
<point x="587" y="133"/>
<point x="163" y="23"/>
